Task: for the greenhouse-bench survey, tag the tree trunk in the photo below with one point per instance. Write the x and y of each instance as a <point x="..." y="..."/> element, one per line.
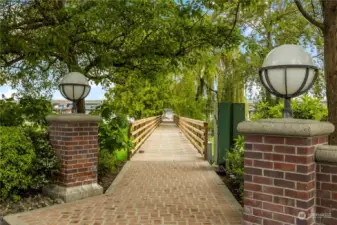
<point x="329" y="28"/>
<point x="269" y="98"/>
<point x="330" y="63"/>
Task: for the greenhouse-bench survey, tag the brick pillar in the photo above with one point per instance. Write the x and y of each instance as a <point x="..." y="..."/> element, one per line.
<point x="326" y="175"/>
<point x="74" y="138"/>
<point x="279" y="170"/>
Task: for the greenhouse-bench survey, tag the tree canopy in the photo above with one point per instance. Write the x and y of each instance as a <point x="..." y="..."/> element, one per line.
<point x="105" y="40"/>
<point x="149" y="55"/>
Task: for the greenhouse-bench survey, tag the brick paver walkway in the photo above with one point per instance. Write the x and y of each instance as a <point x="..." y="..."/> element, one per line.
<point x="168" y="183"/>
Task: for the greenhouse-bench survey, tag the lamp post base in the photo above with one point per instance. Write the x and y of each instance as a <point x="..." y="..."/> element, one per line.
<point x="287" y="112"/>
<point x="74" y="109"/>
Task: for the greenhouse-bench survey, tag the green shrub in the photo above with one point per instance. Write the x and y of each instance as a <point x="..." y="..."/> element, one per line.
<point x="113" y="134"/>
<point x="17" y="157"/>
<point x="35" y="110"/>
<point x="45" y="164"/>
<point x="304" y="108"/>
<point x="235" y="163"/>
<point x="10" y="113"/>
<point x="113" y="129"/>
<point x="106" y="162"/>
<point x="309" y="108"/>
<point x="121" y="155"/>
<point x="28" y="109"/>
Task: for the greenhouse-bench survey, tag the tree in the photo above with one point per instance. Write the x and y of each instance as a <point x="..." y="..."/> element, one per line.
<point x="184" y="98"/>
<point x="140" y="98"/>
<point x="105" y="40"/>
<point x="270" y="24"/>
<point x="323" y="15"/>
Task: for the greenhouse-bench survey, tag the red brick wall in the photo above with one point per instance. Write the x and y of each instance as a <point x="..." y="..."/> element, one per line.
<point x="76" y="145"/>
<point x="326" y="201"/>
<point x="279" y="179"/>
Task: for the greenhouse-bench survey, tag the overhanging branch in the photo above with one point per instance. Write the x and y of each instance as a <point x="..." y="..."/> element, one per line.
<point x="307" y="16"/>
<point x="13" y="61"/>
<point x="235" y="19"/>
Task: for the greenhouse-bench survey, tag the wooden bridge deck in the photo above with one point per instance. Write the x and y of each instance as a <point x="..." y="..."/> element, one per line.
<point x="166" y="182"/>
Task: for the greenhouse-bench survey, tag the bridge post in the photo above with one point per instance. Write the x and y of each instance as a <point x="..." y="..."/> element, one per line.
<point x="74" y="138"/>
<point x="206" y="141"/>
<point x="129" y="137"/>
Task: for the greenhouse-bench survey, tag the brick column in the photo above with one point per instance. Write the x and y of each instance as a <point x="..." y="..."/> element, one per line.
<point x="74" y="138"/>
<point x="326" y="184"/>
<point x="279" y="170"/>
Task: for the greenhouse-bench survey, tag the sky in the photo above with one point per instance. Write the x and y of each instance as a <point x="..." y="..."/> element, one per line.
<point x="96" y="93"/>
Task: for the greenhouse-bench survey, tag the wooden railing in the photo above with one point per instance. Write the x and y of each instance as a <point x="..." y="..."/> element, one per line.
<point x="140" y="130"/>
<point x="196" y="131"/>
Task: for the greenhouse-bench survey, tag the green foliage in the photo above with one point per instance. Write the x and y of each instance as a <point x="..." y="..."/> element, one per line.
<point x="235" y="163"/>
<point x="27" y="109"/>
<point x="10" y="113"/>
<point x="27" y="160"/>
<point x="106" y="162"/>
<point x="186" y="100"/>
<point x="25" y="149"/>
<point x="309" y="108"/>
<point x="113" y="129"/>
<point x="265" y="110"/>
<point x="17" y="157"/>
<point x="113" y="134"/>
<point x="45" y="164"/>
<point x="121" y="155"/>
<point x="140" y="98"/>
<point x="35" y="110"/>
<point x="105" y="40"/>
<point x="306" y="107"/>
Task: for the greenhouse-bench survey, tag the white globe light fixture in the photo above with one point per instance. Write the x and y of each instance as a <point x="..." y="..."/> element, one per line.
<point x="288" y="71"/>
<point x="74" y="86"/>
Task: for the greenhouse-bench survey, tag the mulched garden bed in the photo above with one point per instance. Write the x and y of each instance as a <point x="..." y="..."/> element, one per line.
<point x="231" y="185"/>
<point x="32" y="200"/>
<point x="106" y="181"/>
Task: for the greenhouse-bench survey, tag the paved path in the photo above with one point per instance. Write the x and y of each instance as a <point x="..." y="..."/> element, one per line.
<point x="169" y="183"/>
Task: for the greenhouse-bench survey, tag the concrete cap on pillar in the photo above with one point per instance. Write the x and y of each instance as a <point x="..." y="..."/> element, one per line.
<point x="326" y="153"/>
<point x="286" y="127"/>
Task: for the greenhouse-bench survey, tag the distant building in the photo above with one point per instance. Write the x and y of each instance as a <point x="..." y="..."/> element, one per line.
<point x="65" y="106"/>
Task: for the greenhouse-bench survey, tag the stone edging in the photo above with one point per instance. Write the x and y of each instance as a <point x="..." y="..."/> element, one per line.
<point x="119" y="177"/>
<point x="74" y="117"/>
<point x="287" y="127"/>
<point x="231" y="200"/>
<point x="326" y="153"/>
